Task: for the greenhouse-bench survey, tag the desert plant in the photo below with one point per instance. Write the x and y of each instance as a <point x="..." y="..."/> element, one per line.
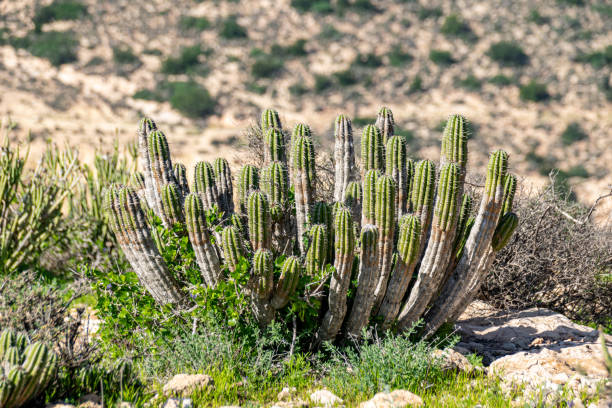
<point x="441" y="57"/>
<point x="25" y="371"/>
<point x="454" y="26"/>
<point x="534" y="91"/>
<point x="230" y="29"/>
<point x="573" y="133"/>
<point x="508" y="53"/>
<point x="59" y="47"/>
<point x="397" y="207"/>
<point x="58" y="10"/>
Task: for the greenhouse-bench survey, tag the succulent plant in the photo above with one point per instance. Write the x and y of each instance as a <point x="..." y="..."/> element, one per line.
<point x="353" y="198"/>
<point x="270" y="119"/>
<point x="344" y="157"/>
<point x="368" y="206"/>
<point x="322" y="213"/>
<point x="274" y="146"/>
<point x="259" y="221"/>
<point x="372" y="149"/>
<point x="398" y="168"/>
<point x="223" y="180"/>
<point x="233" y="249"/>
<point x="316" y="257"/>
<point x="180" y="175"/>
<point x="304" y="184"/>
<point x="248" y="181"/>
<point x="287" y="282"/>
<point x="385" y="123"/>
<point x="261" y="285"/>
<point x="385" y="221"/>
<point x="205" y="186"/>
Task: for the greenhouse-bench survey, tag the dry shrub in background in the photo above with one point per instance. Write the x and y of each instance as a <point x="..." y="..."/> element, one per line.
<point x="558" y="258"/>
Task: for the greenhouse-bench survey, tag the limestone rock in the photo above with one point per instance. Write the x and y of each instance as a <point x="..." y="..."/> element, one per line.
<point x="325" y="397"/>
<point x="290" y="404"/>
<point x="89" y="404"/>
<point x="394" y="399"/>
<point x="185" y="384"/>
<point x="454" y="361"/>
<point x="59" y="405"/>
<point x="178" y="403"/>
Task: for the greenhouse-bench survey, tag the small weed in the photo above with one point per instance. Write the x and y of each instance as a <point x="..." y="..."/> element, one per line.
<point x="470" y="83"/>
<point x="454" y="26"/>
<point x="125" y="56"/>
<point x="416" y="85"/>
<point x="186" y="62"/>
<point x="508" y="54"/>
<point x="367" y="61"/>
<point x="256" y="88"/>
<point x="152" y="51"/>
<point x="441" y="58"/>
<point x="346" y="78"/>
<point x="266" y="66"/>
<point x="573" y="133"/>
<point x="534" y="92"/>
<point x="577" y="171"/>
<point x="297" y="49"/>
<point x="298" y="89"/>
<point x="330" y="33"/>
<point x="572" y="2"/>
<point x="537" y="18"/>
<point x="229" y="29"/>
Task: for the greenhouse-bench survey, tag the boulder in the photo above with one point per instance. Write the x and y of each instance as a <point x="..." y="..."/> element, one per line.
<point x="325" y="397"/>
<point x="393" y="399"/>
<point x="453" y="361"/>
<point x="286" y="394"/>
<point x="178" y="403"/>
<point x="185" y="384"/>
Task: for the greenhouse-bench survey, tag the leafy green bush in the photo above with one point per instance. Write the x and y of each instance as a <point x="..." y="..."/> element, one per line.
<point x="454" y="26"/>
<point x="125" y="55"/>
<point x="194" y="23"/>
<point x="598" y="59"/>
<point x="59" y="47"/>
<point x="470" y="82"/>
<point x="191" y="99"/>
<point x="367" y="61"/>
<point x="322" y="83"/>
<point x="425" y="13"/>
<point x="573" y="133"/>
<point x="537" y="18"/>
<point x="508" y="54"/>
<point x="186" y="62"/>
<point x="231" y="30"/>
<point x="534" y="91"/>
<point x="398" y="57"/>
<point x="266" y="66"/>
<point x="297" y="49"/>
<point x="416" y="85"/>
<point x="345" y="78"/>
<point x="58" y="10"/>
<point x="501" y="80"/>
<point x="442" y="58"/>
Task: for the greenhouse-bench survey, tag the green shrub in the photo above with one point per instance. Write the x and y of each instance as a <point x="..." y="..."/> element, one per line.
<point x="534" y="91"/>
<point x="319" y="6"/>
<point x="362" y="121"/>
<point x="367" y="61"/>
<point x="598" y="59"/>
<point x="501" y="80"/>
<point x="330" y="33"/>
<point x="398" y="57"/>
<point x="194" y="23"/>
<point x="346" y="78"/>
<point x="442" y="58"/>
<point x="254" y="87"/>
<point x="147" y="95"/>
<point x="573" y="133"/>
<point x="536" y="18"/>
<point x="508" y="54"/>
<point x="266" y="66"/>
<point x="416" y="85"/>
<point x="191" y="99"/>
<point x="186" y="62"/>
<point x="297" y="49"/>
<point x="470" y="82"/>
<point x="231" y="30"/>
<point x="125" y="55"/>
<point x="454" y="26"/>
<point x="298" y="89"/>
<point x="59" y="47"/>
<point x="577" y="171"/>
<point x="322" y="83"/>
<point x="425" y="13"/>
<point x="58" y="10"/>
<point x="571" y="2"/>
<point x="604" y="9"/>
<point x="152" y="51"/>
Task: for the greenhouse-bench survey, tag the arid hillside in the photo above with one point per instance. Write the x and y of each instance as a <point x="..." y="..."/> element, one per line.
<point x="534" y="77"/>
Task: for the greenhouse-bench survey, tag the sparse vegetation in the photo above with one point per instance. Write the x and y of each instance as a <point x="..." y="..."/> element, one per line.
<point x="367" y="61"/>
<point x="598" y="59"/>
<point x="58" y="10"/>
<point x="454" y="26"/>
<point x="266" y="66"/>
<point x="59" y="47"/>
<point x="345" y="78"/>
<point x="534" y="91"/>
<point x="537" y="18"/>
<point x="194" y="23"/>
<point x="191" y="99"/>
<point x="501" y="80"/>
<point x="230" y="29"/>
<point x="296" y="49"/>
<point x="508" y="54"/>
<point x="322" y="83"/>
<point x="416" y="85"/>
<point x="573" y="133"/>
<point x="125" y="56"/>
<point x="398" y="57"/>
<point x="441" y="57"/>
<point x="470" y="83"/>
<point x="187" y="62"/>
<point x="427" y="12"/>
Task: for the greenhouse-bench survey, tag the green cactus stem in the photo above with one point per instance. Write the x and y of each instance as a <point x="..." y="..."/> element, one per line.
<point x="454" y="143"/>
<point x="205" y="252"/>
<point x="344" y="157"/>
<point x="172" y="202"/>
<point x="316" y="257"/>
<point x="259" y="221"/>
<point x="287" y="282"/>
<point x="180" y="175"/>
<point x="233" y="250"/>
<point x="509" y="192"/>
<point x="368" y="207"/>
<point x="145" y="127"/>
<point x="344" y="244"/>
<point x="322" y="213"/>
<point x="161" y="168"/>
<point x="353" y="198"/>
<point x="385" y="123"/>
<point x="505" y="228"/>
<point x="261" y="286"/>
<point x="372" y="149"/>
<point x="397" y="167"/>
<point x="362" y="305"/>
<point x="205" y="185"/>
<point x="304" y="185"/>
<point x="223" y="179"/>
<point x="464" y="226"/>
<point x="248" y="181"/>
<point x="270" y="119"/>
<point x="421" y="198"/>
<point x="274" y="146"/>
<point x="275" y="183"/>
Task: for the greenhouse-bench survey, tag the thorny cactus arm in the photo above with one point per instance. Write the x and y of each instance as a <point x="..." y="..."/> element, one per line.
<point x="223" y="179"/>
<point x="341" y="277"/>
<point x="344" y="157"/>
<point x="385" y="221"/>
<point x="368" y="207"/>
<point x="464" y="226"/>
<point x="259" y="221"/>
<point x="509" y="192"/>
<point x="439" y="248"/>
<point x="397" y="167"/>
<point x="472" y="264"/>
<point x="145" y="127"/>
<point x="362" y="305"/>
<point x="287" y="282"/>
<point x="385" y="123"/>
<point x="274" y="146"/>
<point x="322" y="213"/>
<point x="270" y="119"/>
<point x="137" y="182"/>
<point x="421" y="199"/>
<point x="261" y="285"/>
<point x="407" y="251"/>
<point x="205" y="252"/>
<point x="352" y="199"/>
<point x="248" y="181"/>
<point x="172" y="201"/>
<point x="205" y="185"/>
<point x="180" y="175"/>
<point x="304" y="184"/>
<point x="300" y="130"/>
<point x="316" y="257"/>
<point x="161" y="170"/>
<point x="275" y="183"/>
<point x="233" y="250"/>
<point x="372" y="149"/>
<point x="128" y="222"/>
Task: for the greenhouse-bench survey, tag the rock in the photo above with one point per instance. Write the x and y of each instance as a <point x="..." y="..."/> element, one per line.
<point x="91" y="398"/>
<point x="185" y="384"/>
<point x="89" y="404"/>
<point x="124" y="404"/>
<point x="290" y="404"/>
<point x="59" y="405"/>
<point x="286" y="393"/>
<point x="178" y="403"/>
<point x="325" y="398"/>
<point x="454" y="361"/>
<point x="394" y="399"/>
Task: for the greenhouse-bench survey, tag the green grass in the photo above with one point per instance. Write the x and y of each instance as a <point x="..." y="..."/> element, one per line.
<point x="507" y="53"/>
<point x="59" y="47"/>
<point x="441" y="58"/>
<point x="598" y="59"/>
<point x="194" y="23"/>
<point x="229" y="29"/>
<point x="57" y="11"/>
<point x="573" y="133"/>
<point x="186" y="62"/>
<point x="534" y="91"/>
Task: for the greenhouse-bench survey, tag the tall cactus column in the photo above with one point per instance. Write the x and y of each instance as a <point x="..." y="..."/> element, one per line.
<point x="145" y="127"/>
<point x="261" y="286"/>
<point x="341" y="278"/>
<point x="399" y="168"/>
<point x="438" y="253"/>
<point x="385" y="221"/>
<point x="372" y="150"/>
<point x="421" y="198"/>
<point x="386" y="124"/>
<point x="304" y="184"/>
<point x="368" y="207"/>
<point x="259" y="221"/>
<point x="205" y="184"/>
<point x="344" y="156"/>
<point x="248" y="181"/>
<point x="223" y="179"/>
<point x="478" y="244"/>
<point x="162" y="172"/>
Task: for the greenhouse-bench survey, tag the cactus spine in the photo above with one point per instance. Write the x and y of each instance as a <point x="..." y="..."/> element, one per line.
<point x="180" y="175"/>
<point x="372" y="149"/>
<point x="304" y="184"/>
<point x="259" y="221"/>
<point x="205" y="252"/>
<point x="262" y="281"/>
<point x="274" y="146"/>
<point x="344" y="156"/>
<point x="287" y="282"/>
<point x="344" y="244"/>
<point x="248" y="181"/>
<point x="316" y="257"/>
<point x="397" y="167"/>
<point x="386" y="124"/>
<point x="233" y="249"/>
<point x="205" y="185"/>
<point x="223" y="180"/>
<point x="270" y="119"/>
<point x="368" y="207"/>
<point x="385" y="221"/>
<point x="362" y="305"/>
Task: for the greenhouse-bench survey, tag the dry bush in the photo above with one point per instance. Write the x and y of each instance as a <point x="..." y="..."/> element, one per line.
<point x="558" y="259"/>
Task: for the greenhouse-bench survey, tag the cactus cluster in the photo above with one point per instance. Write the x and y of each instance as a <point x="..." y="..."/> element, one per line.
<point x="25" y="369"/>
<point x="405" y="234"/>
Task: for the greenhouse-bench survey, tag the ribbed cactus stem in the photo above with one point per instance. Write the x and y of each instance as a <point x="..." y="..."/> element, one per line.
<point x="464" y="225"/>
<point x="205" y="252"/>
<point x="509" y="192"/>
<point x="439" y="248"/>
<point x="223" y="179"/>
<point x="275" y="183"/>
<point x="172" y="205"/>
<point x="274" y="146"/>
<point x="180" y="175"/>
<point x="300" y="130"/>
<point x="504" y="230"/>
<point x="407" y="258"/>
<point x="128" y="222"/>
<point x="344" y="157"/>
<point x="287" y="282"/>
<point x="322" y="213"/>
<point x="261" y="286"/>
<point x="385" y="221"/>
<point x="353" y="198"/>
<point x="259" y="221"/>
<point x="368" y="207"/>
<point x="421" y="198"/>
<point x="397" y="168"/>
<point x="344" y="244"/>
<point x="270" y="119"/>
<point x="368" y="266"/>
<point x="372" y="149"/>
<point x="477" y="253"/>
<point x="137" y="182"/>
<point x="316" y="257"/>
<point x="454" y="143"/>
<point x="233" y="250"/>
<point x="248" y="181"/>
<point x="161" y="168"/>
<point x="304" y="184"/>
<point x="205" y="185"/>
<point x="386" y="124"/>
<point x="145" y="127"/>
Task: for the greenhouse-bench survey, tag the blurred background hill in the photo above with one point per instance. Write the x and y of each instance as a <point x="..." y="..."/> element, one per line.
<point x="533" y="76"/>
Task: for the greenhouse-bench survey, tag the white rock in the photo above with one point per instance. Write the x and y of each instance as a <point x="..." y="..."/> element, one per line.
<point x="394" y="399"/>
<point x="185" y="384"/>
<point x="325" y="398"/>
